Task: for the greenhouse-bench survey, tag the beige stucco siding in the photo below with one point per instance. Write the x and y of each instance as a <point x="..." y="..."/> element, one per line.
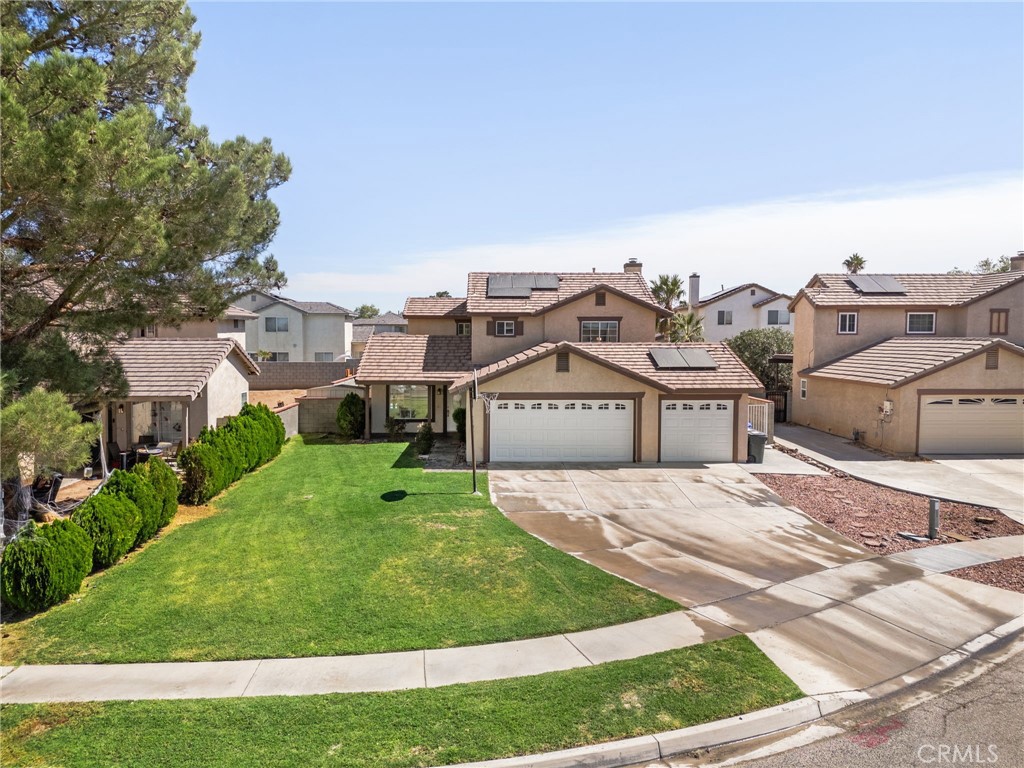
<point x="488" y="349"/>
<point x="840" y="407"/>
<point x="223" y="392"/>
<point x="638" y="323"/>
<point x="431" y="326"/>
<point x="975" y="318"/>
<point x="540" y="379"/>
<point x="326" y="333"/>
<point x="257" y="338"/>
<point x="745" y="315"/>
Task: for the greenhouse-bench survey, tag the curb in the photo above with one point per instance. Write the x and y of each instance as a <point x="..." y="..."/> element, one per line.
<point x="763" y="722"/>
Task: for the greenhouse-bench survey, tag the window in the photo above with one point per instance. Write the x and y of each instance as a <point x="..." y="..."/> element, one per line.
<point x="920" y="322"/>
<point x="570" y="406"/>
<point x="998" y="322"/>
<point x="705" y="406"/>
<point x="149" y="330"/>
<point x="992" y="360"/>
<point x="753" y="291"/>
<point x="505" y="328"/>
<point x="323" y="357"/>
<point x="520" y="407"/>
<point x="721" y="407"/>
<point x="803" y="389"/>
<point x="600" y="298"/>
<point x="277" y="357"/>
<point x="562" y="362"/>
<point x="502" y="406"/>
<point x="536" y="406"/>
<point x="586" y="407"/>
<point x="971" y="401"/>
<point x="599" y="330"/>
<point x="687" y="406"/>
<point x="725" y="317"/>
<point x="276" y="324"/>
<point x="603" y="407"/>
<point x="620" y="406"/>
<point x="245" y="398"/>
<point x="778" y="317"/>
<point x="409" y="402"/>
<point x="236" y="324"/>
<point x="847" y="322"/>
<point x="1004" y="400"/>
<point x="552" y="406"/>
<point x="463" y="328"/>
<point x="670" y="406"/>
<point x="253" y="298"/>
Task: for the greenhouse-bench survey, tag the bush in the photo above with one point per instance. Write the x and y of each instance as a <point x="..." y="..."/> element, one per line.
<point x="44" y="565"/>
<point x="221" y="456"/>
<point x="139" y="491"/>
<point x="165" y="484"/>
<point x="351" y="417"/>
<point x="459" y="417"/>
<point x="424" y="438"/>
<point x="395" y="429"/>
<point x="112" y="521"/>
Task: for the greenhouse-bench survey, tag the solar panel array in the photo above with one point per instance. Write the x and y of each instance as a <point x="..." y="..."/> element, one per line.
<point x="675" y="358"/>
<point x="520" y="284"/>
<point x="876" y="284"/>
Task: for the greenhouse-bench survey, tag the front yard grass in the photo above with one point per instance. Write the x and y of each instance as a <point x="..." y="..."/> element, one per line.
<point x="406" y="728"/>
<point x="331" y="549"/>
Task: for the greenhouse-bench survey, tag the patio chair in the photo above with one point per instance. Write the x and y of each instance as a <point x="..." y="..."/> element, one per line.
<point x="116" y="456"/>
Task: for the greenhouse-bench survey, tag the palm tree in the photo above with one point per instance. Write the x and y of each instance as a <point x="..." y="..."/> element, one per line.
<point x="855" y="264"/>
<point x="668" y="291"/>
<point x="686" y="327"/>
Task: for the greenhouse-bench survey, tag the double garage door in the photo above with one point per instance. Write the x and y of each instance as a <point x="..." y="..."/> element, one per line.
<point x="958" y="423"/>
<point x="603" y="430"/>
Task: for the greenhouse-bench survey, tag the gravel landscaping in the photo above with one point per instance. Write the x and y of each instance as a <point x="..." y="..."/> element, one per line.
<point x="1008" y="574"/>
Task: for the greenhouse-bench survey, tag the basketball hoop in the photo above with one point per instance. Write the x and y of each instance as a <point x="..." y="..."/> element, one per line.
<point x="488" y="398"/>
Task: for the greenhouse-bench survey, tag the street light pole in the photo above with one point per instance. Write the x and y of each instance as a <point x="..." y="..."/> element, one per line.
<point x="472" y="432"/>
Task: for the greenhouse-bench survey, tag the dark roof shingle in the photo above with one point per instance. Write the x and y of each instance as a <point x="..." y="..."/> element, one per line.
<point x="388" y="318"/>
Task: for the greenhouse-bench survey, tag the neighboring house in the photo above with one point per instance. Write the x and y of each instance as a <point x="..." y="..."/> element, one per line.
<point x="297" y="331"/>
<point x="737" y="309"/>
<point x="230" y="325"/>
<point x="363" y="328"/>
<point x="927" y="363"/>
<point x="571" y="363"/>
<point x="175" y="388"/>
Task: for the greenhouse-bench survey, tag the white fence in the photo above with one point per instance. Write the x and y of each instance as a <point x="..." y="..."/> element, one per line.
<point x="761" y="416"/>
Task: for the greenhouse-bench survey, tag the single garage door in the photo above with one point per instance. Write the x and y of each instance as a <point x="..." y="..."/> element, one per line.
<point x="971" y="424"/>
<point x="562" y="430"/>
<point x="697" y="430"/>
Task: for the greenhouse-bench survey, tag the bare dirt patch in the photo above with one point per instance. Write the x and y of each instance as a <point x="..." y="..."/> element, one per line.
<point x="874" y="516"/>
<point x="188" y="514"/>
<point x="273" y="398"/>
<point x="1008" y="574"/>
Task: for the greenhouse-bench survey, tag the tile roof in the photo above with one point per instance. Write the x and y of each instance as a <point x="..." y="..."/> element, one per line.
<point x="634" y="360"/>
<point x="400" y="357"/>
<point x="175" y="368"/>
<point x="897" y="361"/>
<point x="235" y="312"/>
<point x="435" y="306"/>
<point x="388" y="318"/>
<point x="318" y="307"/>
<point x="570" y="284"/>
<point x="923" y="290"/>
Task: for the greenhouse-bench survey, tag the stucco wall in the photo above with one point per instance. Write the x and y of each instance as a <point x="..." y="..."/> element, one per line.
<point x="257" y="338"/>
<point x="873" y="325"/>
<point x="637" y="324"/>
<point x="289" y="416"/>
<point x="224" y="390"/>
<point x="744" y="314"/>
<point x="975" y="316"/>
<point x="488" y="349"/>
<point x="433" y="326"/>
<point x="326" y="333"/>
<point x="586" y="377"/>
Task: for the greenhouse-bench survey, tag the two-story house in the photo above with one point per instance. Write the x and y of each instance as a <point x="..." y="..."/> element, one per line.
<point x="292" y="331"/>
<point x="569" y="369"/>
<point x="926" y="363"/>
<point x="230" y="325"/>
<point x="364" y="327"/>
<point x="740" y="308"/>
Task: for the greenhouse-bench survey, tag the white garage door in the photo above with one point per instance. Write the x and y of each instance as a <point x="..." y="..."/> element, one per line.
<point x="697" y="430"/>
<point x="562" y="430"/>
<point x="971" y="424"/>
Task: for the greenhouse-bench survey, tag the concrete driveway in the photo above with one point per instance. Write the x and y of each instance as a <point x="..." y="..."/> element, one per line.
<point x="831" y="615"/>
<point x="990" y="481"/>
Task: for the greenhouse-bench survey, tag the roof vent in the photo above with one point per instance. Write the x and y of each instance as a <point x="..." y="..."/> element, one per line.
<point x="876" y="284"/>
<point x="519" y="285"/>
<point x="674" y="358"/>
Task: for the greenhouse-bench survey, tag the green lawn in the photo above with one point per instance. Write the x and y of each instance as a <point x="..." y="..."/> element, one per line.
<point x="406" y="728"/>
<point x="307" y="558"/>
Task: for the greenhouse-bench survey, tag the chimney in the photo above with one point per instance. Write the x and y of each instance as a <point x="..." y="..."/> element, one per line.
<point x="694" y="291"/>
<point x="1017" y="262"/>
<point x="633" y="266"/>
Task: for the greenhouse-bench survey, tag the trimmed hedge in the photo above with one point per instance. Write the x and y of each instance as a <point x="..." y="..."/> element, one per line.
<point x="351" y="416"/>
<point x="459" y="417"/>
<point x="112" y="521"/>
<point x="139" y="491"/>
<point x="424" y="438"/>
<point x="44" y="565"/>
<point x="166" y="486"/>
<point x="220" y="456"/>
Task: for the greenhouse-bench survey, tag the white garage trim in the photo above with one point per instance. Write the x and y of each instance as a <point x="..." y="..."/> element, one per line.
<point x="970" y="422"/>
<point x="542" y="427"/>
<point x="697" y="429"/>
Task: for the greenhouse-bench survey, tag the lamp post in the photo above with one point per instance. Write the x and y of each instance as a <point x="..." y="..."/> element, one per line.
<point x="472" y="432"/>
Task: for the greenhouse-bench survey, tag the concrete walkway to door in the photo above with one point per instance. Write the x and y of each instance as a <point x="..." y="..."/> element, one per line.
<point x="831" y="615"/>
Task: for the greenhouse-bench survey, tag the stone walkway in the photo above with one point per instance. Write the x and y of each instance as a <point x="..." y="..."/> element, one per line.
<point x="840" y="629"/>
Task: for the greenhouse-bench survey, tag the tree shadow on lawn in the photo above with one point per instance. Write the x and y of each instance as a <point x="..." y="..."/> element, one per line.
<point x="408" y="460"/>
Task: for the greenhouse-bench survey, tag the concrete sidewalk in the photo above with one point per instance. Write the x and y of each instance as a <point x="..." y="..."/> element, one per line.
<point x="990" y="482"/>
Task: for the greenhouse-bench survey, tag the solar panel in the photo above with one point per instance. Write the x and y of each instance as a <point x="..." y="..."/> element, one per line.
<point x="682" y="359"/>
<point x="519" y="285"/>
<point x="876" y="284"/>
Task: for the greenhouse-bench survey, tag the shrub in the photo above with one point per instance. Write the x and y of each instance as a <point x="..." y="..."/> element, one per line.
<point x="201" y="465"/>
<point x="138" y="490"/>
<point x="395" y="429"/>
<point x="165" y="484"/>
<point x="112" y="521"/>
<point x="44" y="565"/>
<point x="424" y="438"/>
<point x="459" y="417"/>
<point x="351" y="416"/>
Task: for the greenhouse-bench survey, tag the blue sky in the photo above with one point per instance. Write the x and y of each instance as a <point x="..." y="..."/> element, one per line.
<point x="747" y="142"/>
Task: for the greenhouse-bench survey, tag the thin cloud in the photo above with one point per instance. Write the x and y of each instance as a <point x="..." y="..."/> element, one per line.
<point x="922" y="228"/>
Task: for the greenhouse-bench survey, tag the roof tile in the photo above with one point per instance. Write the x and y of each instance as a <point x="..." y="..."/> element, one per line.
<point x="569" y="284"/>
<point x="434" y="306"/>
<point x="922" y="290"/>
<point x="174" y="368"/>
<point x="400" y="357"/>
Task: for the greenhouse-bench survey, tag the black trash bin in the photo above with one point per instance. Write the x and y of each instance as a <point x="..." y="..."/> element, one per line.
<point x="756" y="442"/>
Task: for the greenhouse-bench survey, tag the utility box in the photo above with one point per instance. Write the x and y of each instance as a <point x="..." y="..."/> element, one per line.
<point x="756" y="442"/>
